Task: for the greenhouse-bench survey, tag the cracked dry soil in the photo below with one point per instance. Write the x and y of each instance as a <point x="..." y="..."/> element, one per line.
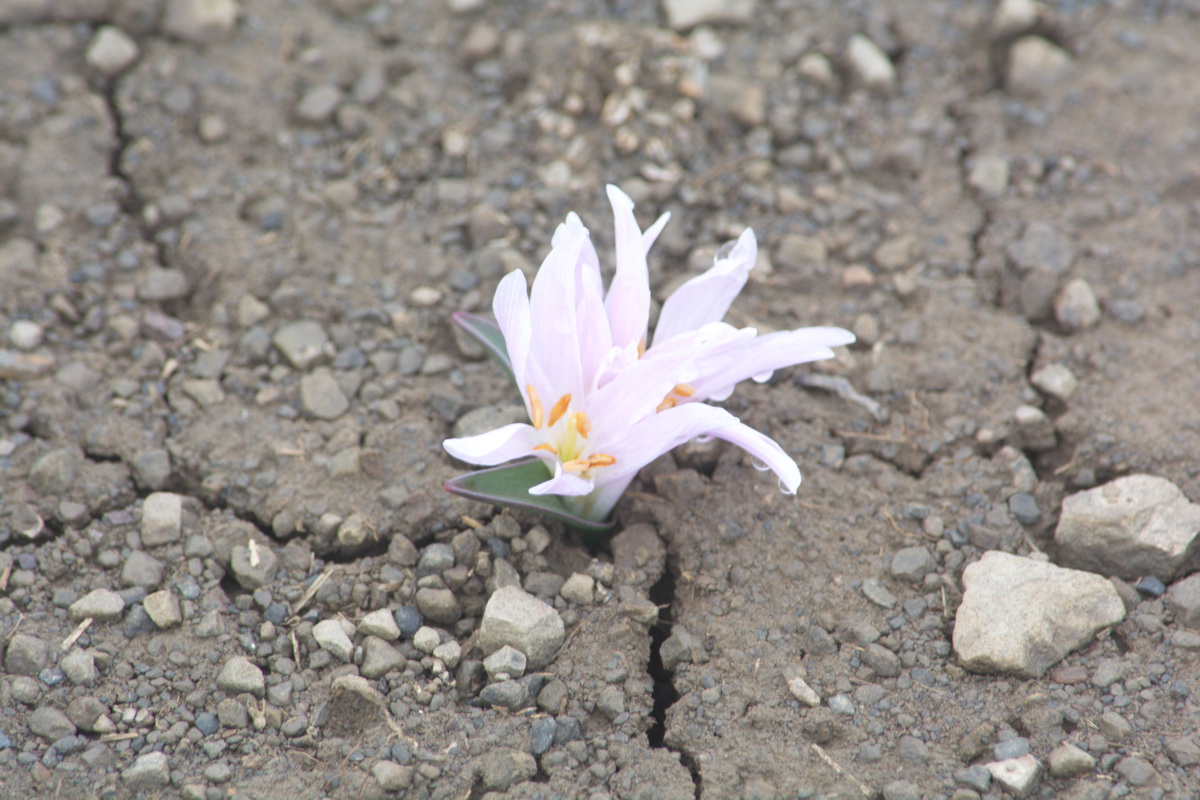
<point x="169" y="212"/>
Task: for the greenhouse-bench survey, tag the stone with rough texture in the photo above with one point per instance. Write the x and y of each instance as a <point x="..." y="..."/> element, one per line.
<point x="1134" y="526"/>
<point x="380" y="623"/>
<point x="50" y="724"/>
<point x="1076" y="307"/>
<point x="322" y="396"/>
<point x="505" y="664"/>
<point x="302" y="343"/>
<point x="240" y="675"/>
<point x="163" y="609"/>
<point x="200" y="21"/>
<point x="1018" y="776"/>
<point x="1068" y="761"/>
<point x="1036" y="64"/>
<point x="1183" y="599"/>
<point x="253" y="567"/>
<point x="111" y="51"/>
<point x="379" y="658"/>
<point x="149" y="771"/>
<point x="79" y="666"/>
<point x="142" y="569"/>
<point x="504" y="766"/>
<point x="331" y="636"/>
<point x="102" y="605"/>
<point x="1022" y="616"/>
<point x="869" y="66"/>
<point x="162" y="519"/>
<point x="26" y="655"/>
<point x="1056" y="380"/>
<point x="516" y="618"/>
<point x="685" y="14"/>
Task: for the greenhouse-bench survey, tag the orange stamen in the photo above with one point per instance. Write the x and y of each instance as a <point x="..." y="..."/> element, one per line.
<point x="547" y="447"/>
<point x="560" y="408"/>
<point x="668" y="402"/>
<point x="582" y="424"/>
<point x="684" y="389"/>
<point x="641" y="347"/>
<point x="601" y="460"/>
<point x="537" y="413"/>
<point x="576" y="465"/>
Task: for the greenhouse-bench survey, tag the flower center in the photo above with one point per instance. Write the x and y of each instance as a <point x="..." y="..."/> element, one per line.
<point x="566" y="433"/>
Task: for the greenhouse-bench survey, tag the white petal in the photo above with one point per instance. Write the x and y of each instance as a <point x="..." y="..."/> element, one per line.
<point x="563" y="483"/>
<point x="650" y="235"/>
<point x="628" y="300"/>
<point x="556" y="367"/>
<point x="766" y="450"/>
<point x="496" y="446"/>
<point x="708" y="296"/>
<point x="762" y="356"/>
<point x="511" y="307"/>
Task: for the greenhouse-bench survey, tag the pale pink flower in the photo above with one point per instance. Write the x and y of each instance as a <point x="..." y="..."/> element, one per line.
<point x="601" y="403"/>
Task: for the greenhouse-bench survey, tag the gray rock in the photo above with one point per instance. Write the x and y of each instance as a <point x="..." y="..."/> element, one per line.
<point x="163" y="285"/>
<point x="439" y="605"/>
<point x="163" y="609"/>
<point x="79" y="666"/>
<point x="1036" y="294"/>
<point x="380" y="623"/>
<point x="435" y="558"/>
<point x="878" y="594"/>
<point x="241" y="675"/>
<point x="318" y="104"/>
<point x="884" y="662"/>
<point x="1034" y="65"/>
<point x="301" y="343"/>
<point x="1018" y="776"/>
<point x="1055" y="380"/>
<point x="579" y="589"/>
<point x="111" y="51"/>
<point x="518" y="619"/>
<point x="1134" y="526"/>
<point x="504" y="664"/>
<point x="1108" y="672"/>
<point x="150" y="771"/>
<point x="1076" y="307"/>
<point x="842" y="704"/>
<point x="611" y="702"/>
<point x="901" y="790"/>
<point x="989" y="175"/>
<point x="391" y="776"/>
<point x="200" y="21"/>
<point x="232" y="714"/>
<point x="487" y="418"/>
<point x="379" y="658"/>
<point x="253" y="570"/>
<point x="1183" y="751"/>
<point x="103" y="605"/>
<point x="322" y="396"/>
<point x="1069" y="761"/>
<point x="85" y="712"/>
<point x="1183" y="598"/>
<point x="503" y="766"/>
<point x="1136" y="771"/>
<point x="331" y="636"/>
<point x="1114" y="727"/>
<point x="141" y="569"/>
<point x="152" y="467"/>
<point x="912" y="749"/>
<point x="541" y="734"/>
<point x="913" y="564"/>
<point x="54" y="473"/>
<point x="683" y="15"/>
<point x="1022" y="616"/>
<point x="869" y="66"/>
<point x="1042" y="246"/>
<point x="512" y="695"/>
<point x="50" y="724"/>
<point x="162" y="519"/>
<point x="1024" y="507"/>
<point x="26" y="655"/>
<point x="448" y="653"/>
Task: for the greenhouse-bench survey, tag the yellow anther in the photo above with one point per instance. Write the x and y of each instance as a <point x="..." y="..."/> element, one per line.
<point x="641" y="347"/>
<point x="560" y="408"/>
<point x="601" y="460"/>
<point x="548" y="447"/>
<point x="576" y="465"/>
<point x="684" y="389"/>
<point x="537" y="414"/>
<point x="668" y="402"/>
<point x="582" y="423"/>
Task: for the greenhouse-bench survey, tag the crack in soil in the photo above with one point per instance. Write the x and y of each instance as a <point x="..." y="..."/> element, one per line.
<point x="662" y="594"/>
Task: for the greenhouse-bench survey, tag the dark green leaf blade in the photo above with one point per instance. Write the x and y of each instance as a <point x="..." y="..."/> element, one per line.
<point x="509" y="484"/>
<point x="488" y="334"/>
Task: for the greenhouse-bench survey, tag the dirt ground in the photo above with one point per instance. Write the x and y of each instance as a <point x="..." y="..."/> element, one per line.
<point x="231" y="236"/>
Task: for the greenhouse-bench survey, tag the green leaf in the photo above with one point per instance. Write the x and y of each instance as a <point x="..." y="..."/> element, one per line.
<point x="509" y="484"/>
<point x="488" y="334"/>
